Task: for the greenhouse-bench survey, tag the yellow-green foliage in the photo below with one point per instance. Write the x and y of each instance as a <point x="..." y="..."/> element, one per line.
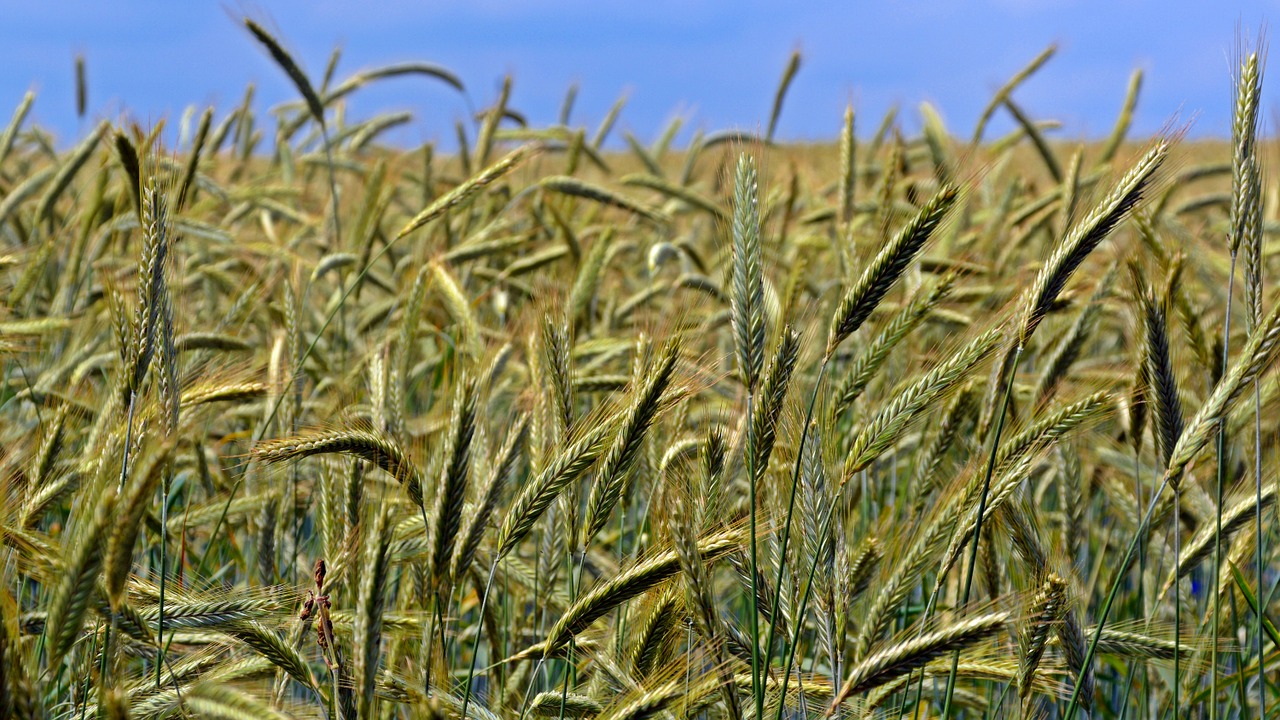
<point x="315" y="427"/>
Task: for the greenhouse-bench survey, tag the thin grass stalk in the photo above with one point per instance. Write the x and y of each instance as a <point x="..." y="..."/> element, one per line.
<point x="823" y="531"/>
<point x="475" y="644"/>
<point x="164" y="545"/>
<point x="977" y="527"/>
<point x="1220" y="476"/>
<point x="1105" y="610"/>
<point x="1259" y="538"/>
<point x="1177" y="612"/>
<point x="782" y="554"/>
<point x="169" y="409"/>
<point x="1259" y="542"/>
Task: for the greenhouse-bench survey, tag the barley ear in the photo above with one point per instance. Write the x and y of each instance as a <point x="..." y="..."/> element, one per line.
<point x="15" y="125"/>
<point x="1124" y="120"/>
<point x="193" y="162"/>
<point x="452" y="487"/>
<point x="477" y="521"/>
<point x="361" y="442"/>
<point x="616" y="464"/>
<point x="653" y="625"/>
<point x="888" y="265"/>
<point x="884" y="428"/>
<point x="223" y="700"/>
<point x="629" y="583"/>
<point x="290" y="67"/>
<point x="788" y="75"/>
<point x="1044" y="611"/>
<point x="468" y="189"/>
<point x="1244" y="131"/>
<point x="267" y="643"/>
<point x="903" y="657"/>
<point x="128" y="155"/>
<point x="71" y="596"/>
<point x="1087" y="235"/>
<point x="1162" y="383"/>
<point x="848" y="165"/>
<point x="1075" y="651"/>
<point x="872" y="358"/>
<point x="1235" y="518"/>
<point x="147" y="471"/>
<point x="747" y="298"/>
<point x="152" y="286"/>
<point x="1005" y="90"/>
<point x="556" y="347"/>
<point x="1256" y="356"/>
<point x="371" y="605"/>
<point x="566" y="467"/>
<point x="555" y="704"/>
<point x="767" y="413"/>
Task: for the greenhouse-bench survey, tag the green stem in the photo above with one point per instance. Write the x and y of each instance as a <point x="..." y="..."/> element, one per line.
<point x="164" y="543"/>
<point x="977" y="525"/>
<point x="1142" y="573"/>
<point x="756" y="686"/>
<point x="1239" y="653"/>
<point x="430" y="629"/>
<point x="475" y="645"/>
<point x="1217" y="531"/>
<point x="786" y="535"/>
<point x="804" y="604"/>
<point x="124" y="474"/>
<point x="1128" y="692"/>
<point x="574" y="586"/>
<point x="1257" y="476"/>
<point x="1177" y="608"/>
<point x="102" y="664"/>
<point x="1105" y="610"/>
<point x="999" y="703"/>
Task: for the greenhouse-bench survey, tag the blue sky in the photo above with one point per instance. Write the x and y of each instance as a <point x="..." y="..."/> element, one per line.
<point x="714" y="63"/>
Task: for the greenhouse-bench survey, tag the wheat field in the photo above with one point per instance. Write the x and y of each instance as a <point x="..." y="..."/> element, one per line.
<point x="297" y="424"/>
